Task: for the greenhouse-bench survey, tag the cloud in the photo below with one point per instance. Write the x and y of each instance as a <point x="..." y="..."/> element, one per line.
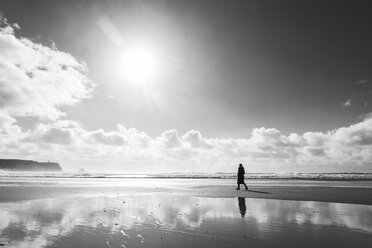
<point x="36" y="80"/>
<point x="347" y="103"/>
<point x="360" y="95"/>
<point x="316" y="151"/>
<point x="106" y="138"/>
<point x="6" y="121"/>
<point x="357" y="135"/>
<point x="57" y="133"/>
<point x="170" y="139"/>
<point x="195" y="140"/>
<point x="365" y="116"/>
<point x="363" y="81"/>
<point x="265" y="149"/>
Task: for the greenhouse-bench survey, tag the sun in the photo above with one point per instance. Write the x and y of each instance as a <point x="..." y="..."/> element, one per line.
<point x="139" y="65"/>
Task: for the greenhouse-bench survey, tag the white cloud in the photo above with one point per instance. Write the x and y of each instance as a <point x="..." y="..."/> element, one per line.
<point x="196" y="140"/>
<point x="107" y="138"/>
<point x="170" y="139"/>
<point x="359" y="134"/>
<point x="6" y="121"/>
<point x="58" y="133"/>
<point x="36" y="81"/>
<point x="347" y="103"/>
<point x="346" y="147"/>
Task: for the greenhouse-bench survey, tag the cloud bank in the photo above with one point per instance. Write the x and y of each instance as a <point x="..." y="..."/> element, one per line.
<point x="37" y="80"/>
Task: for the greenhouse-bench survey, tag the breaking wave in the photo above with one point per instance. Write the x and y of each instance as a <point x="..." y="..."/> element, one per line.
<point x="218" y="175"/>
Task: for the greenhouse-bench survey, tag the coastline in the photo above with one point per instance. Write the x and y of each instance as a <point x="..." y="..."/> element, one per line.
<point x="346" y="192"/>
<point x="183" y="212"/>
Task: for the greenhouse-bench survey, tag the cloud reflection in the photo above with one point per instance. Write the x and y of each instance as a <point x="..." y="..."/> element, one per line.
<point x="109" y="221"/>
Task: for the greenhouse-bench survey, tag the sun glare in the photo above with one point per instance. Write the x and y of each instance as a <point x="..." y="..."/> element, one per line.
<point x="139" y="65"/>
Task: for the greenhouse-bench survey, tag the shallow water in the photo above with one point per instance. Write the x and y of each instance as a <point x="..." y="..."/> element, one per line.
<point x="169" y="182"/>
<point x="164" y="220"/>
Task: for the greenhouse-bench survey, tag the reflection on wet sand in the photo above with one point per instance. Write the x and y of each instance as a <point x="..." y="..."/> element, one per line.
<point x="168" y="220"/>
<point x="242" y="206"/>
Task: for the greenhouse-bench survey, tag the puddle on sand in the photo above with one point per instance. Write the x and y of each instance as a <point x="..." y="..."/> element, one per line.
<point x="162" y="220"/>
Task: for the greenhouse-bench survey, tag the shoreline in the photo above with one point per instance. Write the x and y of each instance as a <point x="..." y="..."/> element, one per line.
<point x="325" y="177"/>
<point x="350" y="195"/>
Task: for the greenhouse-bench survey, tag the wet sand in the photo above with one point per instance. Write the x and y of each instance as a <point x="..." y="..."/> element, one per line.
<point x="344" y="192"/>
<point x="183" y="213"/>
<point x="168" y="220"/>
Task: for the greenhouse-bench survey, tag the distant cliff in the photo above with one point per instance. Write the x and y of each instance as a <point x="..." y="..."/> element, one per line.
<point x="28" y="165"/>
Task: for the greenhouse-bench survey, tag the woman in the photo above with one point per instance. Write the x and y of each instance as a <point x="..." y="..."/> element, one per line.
<point x="241" y="173"/>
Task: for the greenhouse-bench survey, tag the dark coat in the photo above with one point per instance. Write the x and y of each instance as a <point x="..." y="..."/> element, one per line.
<point x="241" y="173"/>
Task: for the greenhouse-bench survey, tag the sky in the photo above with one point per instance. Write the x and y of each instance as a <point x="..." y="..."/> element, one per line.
<point x="182" y="86"/>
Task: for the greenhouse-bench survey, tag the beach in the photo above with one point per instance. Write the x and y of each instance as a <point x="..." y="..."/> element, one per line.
<point x="185" y="124"/>
<point x="21" y="188"/>
<point x="158" y="212"/>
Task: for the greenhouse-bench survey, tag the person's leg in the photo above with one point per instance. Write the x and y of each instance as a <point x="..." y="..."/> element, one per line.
<point x="246" y="188"/>
<point x="238" y="188"/>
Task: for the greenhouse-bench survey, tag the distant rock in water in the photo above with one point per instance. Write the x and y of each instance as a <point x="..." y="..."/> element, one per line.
<point x="28" y="165"/>
<point x="81" y="171"/>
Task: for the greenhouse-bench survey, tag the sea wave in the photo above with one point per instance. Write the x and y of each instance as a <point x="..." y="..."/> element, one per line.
<point x="217" y="175"/>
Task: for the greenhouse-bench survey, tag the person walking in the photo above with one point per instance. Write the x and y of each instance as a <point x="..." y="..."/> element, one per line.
<point x="241" y="173"/>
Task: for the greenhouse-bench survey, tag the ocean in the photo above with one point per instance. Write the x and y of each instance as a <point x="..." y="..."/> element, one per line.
<point x="342" y="176"/>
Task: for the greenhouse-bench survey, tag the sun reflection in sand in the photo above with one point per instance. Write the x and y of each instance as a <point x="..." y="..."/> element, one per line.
<point x="161" y="219"/>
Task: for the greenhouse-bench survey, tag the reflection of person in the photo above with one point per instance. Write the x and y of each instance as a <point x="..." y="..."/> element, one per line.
<point x="241" y="173"/>
<point x="242" y="206"/>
